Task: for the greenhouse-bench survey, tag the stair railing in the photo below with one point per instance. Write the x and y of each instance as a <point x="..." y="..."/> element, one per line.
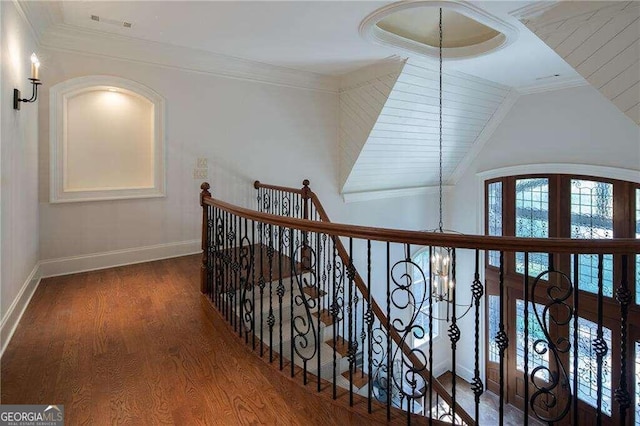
<point x="258" y="258"/>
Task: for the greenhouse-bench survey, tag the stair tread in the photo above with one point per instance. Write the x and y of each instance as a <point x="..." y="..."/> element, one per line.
<point x="359" y="377"/>
<point x="341" y="345"/>
<point x="325" y="317"/>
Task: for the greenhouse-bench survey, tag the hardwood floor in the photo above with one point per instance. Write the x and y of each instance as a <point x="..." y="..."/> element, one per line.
<point x="139" y="345"/>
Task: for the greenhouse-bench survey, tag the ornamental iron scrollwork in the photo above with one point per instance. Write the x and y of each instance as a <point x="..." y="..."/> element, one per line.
<point x="559" y="312"/>
<point x="305" y="338"/>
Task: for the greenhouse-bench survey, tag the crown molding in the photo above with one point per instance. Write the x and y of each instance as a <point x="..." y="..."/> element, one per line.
<point x="532" y="10"/>
<point x="389" y="66"/>
<point x="484" y="136"/>
<point x="553" y="84"/>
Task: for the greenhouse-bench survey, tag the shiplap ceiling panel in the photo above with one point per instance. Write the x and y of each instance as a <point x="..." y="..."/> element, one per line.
<point x="402" y="148"/>
<point x="360" y="105"/>
<point x="601" y="40"/>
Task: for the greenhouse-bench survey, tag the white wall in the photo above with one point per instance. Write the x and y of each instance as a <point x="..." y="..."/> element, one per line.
<point x="246" y="130"/>
<point x="573" y="126"/>
<point x="18" y="168"/>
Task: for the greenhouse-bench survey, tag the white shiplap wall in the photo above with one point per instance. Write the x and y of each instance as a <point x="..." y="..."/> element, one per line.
<point x="362" y="96"/>
<point x="601" y="40"/>
<point x="401" y="149"/>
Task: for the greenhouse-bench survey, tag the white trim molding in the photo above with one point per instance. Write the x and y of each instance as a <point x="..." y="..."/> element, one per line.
<point x="68" y="38"/>
<point x="354" y="197"/>
<point x="563" y="168"/>
<point x="16" y="310"/>
<point x="59" y="96"/>
<point x="370" y="31"/>
<point x="111" y="259"/>
<point x="553" y="84"/>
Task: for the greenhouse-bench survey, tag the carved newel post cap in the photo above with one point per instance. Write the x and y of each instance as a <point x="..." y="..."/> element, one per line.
<point x="305" y="182"/>
<point x="256" y="184"/>
<point x="205" y="186"/>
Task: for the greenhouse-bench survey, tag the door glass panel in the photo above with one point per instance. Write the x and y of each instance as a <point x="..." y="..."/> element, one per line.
<point x="532" y="220"/>
<point x="588" y="367"/>
<point x="535" y="334"/>
<point x="494" y="217"/>
<point x="592" y="217"/>
<point x="494" y="324"/>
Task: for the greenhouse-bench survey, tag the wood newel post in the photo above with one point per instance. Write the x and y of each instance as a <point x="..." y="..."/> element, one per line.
<point x="205" y="235"/>
<point x="306" y="196"/>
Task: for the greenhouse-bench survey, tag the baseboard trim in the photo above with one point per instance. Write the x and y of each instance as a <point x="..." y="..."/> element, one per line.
<point x="465" y="373"/>
<point x="111" y="259"/>
<point x="17" y="308"/>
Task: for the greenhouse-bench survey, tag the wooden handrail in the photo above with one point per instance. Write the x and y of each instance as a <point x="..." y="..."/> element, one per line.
<point x="395" y="336"/>
<point x="481" y="242"/>
<point x="258" y="185"/>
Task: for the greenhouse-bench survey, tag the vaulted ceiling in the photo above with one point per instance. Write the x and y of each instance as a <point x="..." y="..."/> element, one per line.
<point x="601" y="40"/>
<point x="391" y="142"/>
<point x="388" y="130"/>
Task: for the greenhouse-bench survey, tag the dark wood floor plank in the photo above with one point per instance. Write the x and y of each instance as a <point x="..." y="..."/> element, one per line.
<point x="140" y="345"/>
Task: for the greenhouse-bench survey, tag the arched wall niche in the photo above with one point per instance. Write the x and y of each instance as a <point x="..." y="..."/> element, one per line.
<point x="107" y="140"/>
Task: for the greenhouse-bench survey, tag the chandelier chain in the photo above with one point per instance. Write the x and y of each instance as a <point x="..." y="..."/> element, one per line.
<point x="440" y="117"/>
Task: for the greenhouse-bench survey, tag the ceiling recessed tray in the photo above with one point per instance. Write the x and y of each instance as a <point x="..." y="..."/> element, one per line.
<point x="412" y="27"/>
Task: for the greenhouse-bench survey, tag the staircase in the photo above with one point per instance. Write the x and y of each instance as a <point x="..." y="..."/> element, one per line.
<point x="336" y="307"/>
<point x="297" y="299"/>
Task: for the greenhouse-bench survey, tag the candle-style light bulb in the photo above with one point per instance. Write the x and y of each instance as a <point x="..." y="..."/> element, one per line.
<point x="35" y="66"/>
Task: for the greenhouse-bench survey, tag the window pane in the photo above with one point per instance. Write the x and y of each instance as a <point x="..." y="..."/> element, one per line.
<point x="535" y="333"/>
<point x="638" y="255"/>
<point x="588" y="367"/>
<point x="494" y="322"/>
<point x="637" y="384"/>
<point x="532" y="220"/>
<point x="592" y="217"/>
<point x="494" y="217"/>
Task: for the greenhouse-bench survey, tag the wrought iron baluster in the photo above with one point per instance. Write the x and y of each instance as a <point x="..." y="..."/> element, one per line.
<point x="389" y="363"/>
<point x="369" y="321"/>
<point x="454" y="336"/>
<point x="253" y="285"/>
<point x="525" y="290"/>
<point x="623" y="296"/>
<point x="430" y="362"/>
<point x="477" y="291"/>
<point x="334" y="313"/>
<point x="502" y="340"/>
<point x="261" y="284"/>
<point x="576" y="293"/>
<point x="600" y="345"/>
<point x="350" y="343"/>
<point x="271" y="320"/>
<point x="240" y="291"/>
<point x="291" y="295"/>
<point x="280" y="291"/>
<point x="318" y="265"/>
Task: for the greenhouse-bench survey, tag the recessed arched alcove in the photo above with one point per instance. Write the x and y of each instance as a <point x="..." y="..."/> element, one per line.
<point x="106" y="140"/>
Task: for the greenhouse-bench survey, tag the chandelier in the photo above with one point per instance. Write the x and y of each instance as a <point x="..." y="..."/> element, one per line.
<point x="443" y="258"/>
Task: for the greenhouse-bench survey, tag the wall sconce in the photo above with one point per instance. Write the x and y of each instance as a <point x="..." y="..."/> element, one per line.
<point x="35" y="82"/>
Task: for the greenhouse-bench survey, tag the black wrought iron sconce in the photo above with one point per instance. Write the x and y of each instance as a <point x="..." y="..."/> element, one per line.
<point x="35" y="82"/>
